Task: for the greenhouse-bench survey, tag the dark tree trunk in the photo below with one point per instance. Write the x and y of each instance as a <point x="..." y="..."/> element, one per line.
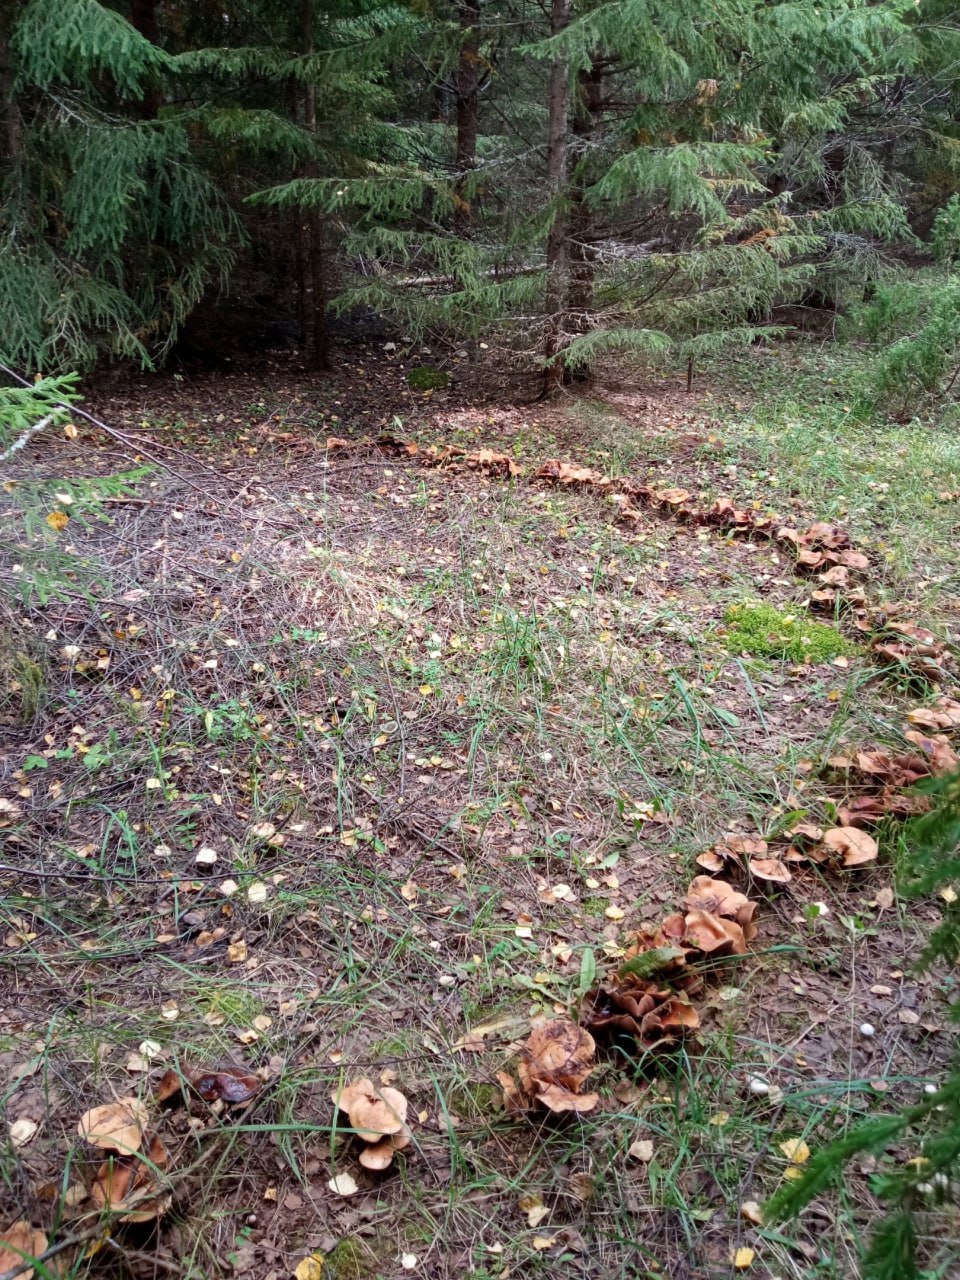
<point x="9" y="107"/>
<point x="468" y="99"/>
<point x="143" y="16"/>
<point x="314" y="283"/>
<point x="581" y="225"/>
<point x="559" y="112"/>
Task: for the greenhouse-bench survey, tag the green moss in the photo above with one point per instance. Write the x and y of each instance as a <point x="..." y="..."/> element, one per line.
<point x="424" y="378"/>
<point x="766" y="632"/>
<point x="355" y="1260"/>
<point x="594" y="906"/>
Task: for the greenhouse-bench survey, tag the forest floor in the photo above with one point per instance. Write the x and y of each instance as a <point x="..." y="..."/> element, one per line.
<point x="356" y="765"/>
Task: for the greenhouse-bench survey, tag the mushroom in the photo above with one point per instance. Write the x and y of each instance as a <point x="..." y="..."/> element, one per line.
<point x="117" y="1126"/>
<point x="379" y="1155"/>
<point x="374" y="1113"/>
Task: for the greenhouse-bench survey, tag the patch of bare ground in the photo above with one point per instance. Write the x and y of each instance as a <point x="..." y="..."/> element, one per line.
<point x="347" y="766"/>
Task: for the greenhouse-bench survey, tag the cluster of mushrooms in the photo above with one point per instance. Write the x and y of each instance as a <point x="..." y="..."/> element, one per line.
<point x="378" y="1117"/>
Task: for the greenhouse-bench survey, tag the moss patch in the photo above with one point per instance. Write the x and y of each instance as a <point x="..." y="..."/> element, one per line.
<point x="424" y="378"/>
<point x="765" y="632"/>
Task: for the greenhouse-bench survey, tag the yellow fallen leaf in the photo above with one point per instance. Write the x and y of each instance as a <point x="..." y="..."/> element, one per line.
<point x="534" y="1208"/>
<point x="642" y="1149"/>
<point x="796" y="1150"/>
<point x="948" y="894"/>
<point x="720" y="1119"/>
<point x="742" y="1258"/>
<point x="544" y="1242"/>
<point x="310" y="1267"/>
<point x="58" y="521"/>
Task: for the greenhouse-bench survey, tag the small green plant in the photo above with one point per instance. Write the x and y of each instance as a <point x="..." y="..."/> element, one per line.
<point x="424" y="378"/>
<point x="765" y="632"/>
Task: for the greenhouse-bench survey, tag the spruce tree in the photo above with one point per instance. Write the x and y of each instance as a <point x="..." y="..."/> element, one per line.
<point x="109" y="228"/>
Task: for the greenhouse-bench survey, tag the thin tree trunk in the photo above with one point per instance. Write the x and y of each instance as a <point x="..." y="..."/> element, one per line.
<point x="582" y="265"/>
<point x="558" y="120"/>
<point x="143" y="16"/>
<point x="318" y="353"/>
<point x="468" y="100"/>
<point x="9" y="107"/>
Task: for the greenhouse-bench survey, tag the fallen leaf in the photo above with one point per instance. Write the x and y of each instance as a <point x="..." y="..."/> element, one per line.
<point x="409" y="891"/>
<point x="796" y="1150"/>
<point x="309" y="1268"/>
<point x="642" y="1150"/>
<point x="58" y="521"/>
<point x="534" y="1208"/>
<point x="543" y="1242"/>
<point x="742" y="1258"/>
<point x="343" y="1184"/>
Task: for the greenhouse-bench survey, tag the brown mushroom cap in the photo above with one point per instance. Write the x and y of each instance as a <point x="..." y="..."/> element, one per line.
<point x="379" y="1155"/>
<point x="374" y="1113"/>
<point x="116" y="1126"/>
<point x="400" y="1141"/>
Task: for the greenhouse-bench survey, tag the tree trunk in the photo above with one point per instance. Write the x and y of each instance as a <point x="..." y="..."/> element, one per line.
<point x="315" y="282"/>
<point x="558" y="119"/>
<point x="143" y="16"/>
<point x="9" y="107"/>
<point x="468" y="99"/>
<point x="580" y="235"/>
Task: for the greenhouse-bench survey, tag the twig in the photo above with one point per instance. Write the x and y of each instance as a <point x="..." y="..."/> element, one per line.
<point x="27" y="436"/>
